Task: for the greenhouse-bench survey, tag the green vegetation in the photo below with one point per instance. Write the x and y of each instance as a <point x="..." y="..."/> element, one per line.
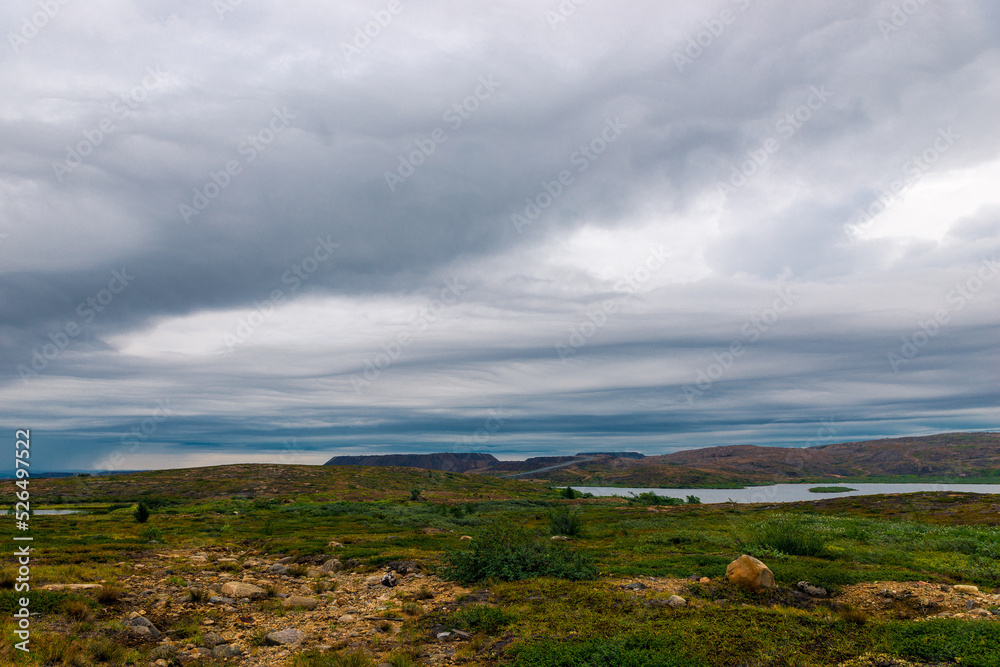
<point x="831" y="489"/>
<point x="533" y="602"/>
<point x="505" y="552"/>
<point x="141" y="513"/>
<point x="565" y="521"/>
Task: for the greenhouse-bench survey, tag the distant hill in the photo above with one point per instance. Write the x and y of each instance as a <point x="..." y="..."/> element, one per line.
<point x="946" y="455"/>
<point x="442" y="461"/>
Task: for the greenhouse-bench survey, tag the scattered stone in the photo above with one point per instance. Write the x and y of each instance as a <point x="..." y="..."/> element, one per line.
<point x="142" y="626"/>
<point x="560" y="538"/>
<point x="373" y="580"/>
<point x="336" y="545"/>
<point x="278" y="568"/>
<point x="212" y="639"/>
<point x="704" y="580"/>
<point x="226" y="651"/>
<point x="284" y="637"/>
<point x="286" y="560"/>
<point x="215" y="599"/>
<point x="750" y="574"/>
<point x="332" y="565"/>
<point x="813" y="591"/>
<point x="461" y="634"/>
<point x="388" y="579"/>
<point x="346" y="618"/>
<point x="968" y="590"/>
<point x="166" y="651"/>
<point x="70" y="587"/>
<point x="635" y="586"/>
<point x="676" y="601"/>
<point x="465" y="537"/>
<point x="431" y="531"/>
<point x="403" y="567"/>
<point x="302" y="602"/>
<point x="443" y="635"/>
<point x="239" y="589"/>
<point x="982" y="613"/>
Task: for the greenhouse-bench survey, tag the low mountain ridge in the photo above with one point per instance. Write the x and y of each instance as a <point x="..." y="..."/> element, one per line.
<point x="945" y="455"/>
<point x="448" y="461"/>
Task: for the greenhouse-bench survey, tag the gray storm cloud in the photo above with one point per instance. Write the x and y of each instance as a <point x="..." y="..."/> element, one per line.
<point x="253" y="212"/>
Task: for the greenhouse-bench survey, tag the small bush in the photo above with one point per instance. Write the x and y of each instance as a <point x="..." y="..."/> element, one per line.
<point x="141" y="513"/>
<point x="104" y="650"/>
<point x="565" y="521"/>
<point x="109" y="593"/>
<point x="568" y="493"/>
<point x="402" y="658"/>
<point x="315" y="658"/>
<point x="198" y="594"/>
<point x="509" y="553"/>
<point x="297" y="570"/>
<point x="415" y="494"/>
<point x="788" y="537"/>
<point x="8" y="578"/>
<point x="76" y="610"/>
<point x="693" y="500"/>
<point x="150" y="533"/>
<point x="480" y="617"/>
<point x="650" y="498"/>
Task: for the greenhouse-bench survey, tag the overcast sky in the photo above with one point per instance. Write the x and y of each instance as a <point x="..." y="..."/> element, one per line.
<point x="280" y="231"/>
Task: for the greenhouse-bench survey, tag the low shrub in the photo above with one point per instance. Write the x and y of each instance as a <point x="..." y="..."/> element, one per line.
<point x="482" y="617"/>
<point x="787" y="536"/>
<point x="565" y="521"/>
<point x="509" y="553"/>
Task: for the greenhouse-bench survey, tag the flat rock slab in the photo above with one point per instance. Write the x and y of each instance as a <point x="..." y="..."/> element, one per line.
<point x="238" y="589"/>
<point x="300" y="601"/>
<point x="283" y="637"/>
<point x="70" y="587"/>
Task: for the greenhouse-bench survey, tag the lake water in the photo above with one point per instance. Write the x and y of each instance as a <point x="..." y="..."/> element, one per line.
<point x="61" y="511"/>
<point x="787" y="493"/>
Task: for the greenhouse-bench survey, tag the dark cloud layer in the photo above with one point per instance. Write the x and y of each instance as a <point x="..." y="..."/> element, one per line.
<point x="640" y="226"/>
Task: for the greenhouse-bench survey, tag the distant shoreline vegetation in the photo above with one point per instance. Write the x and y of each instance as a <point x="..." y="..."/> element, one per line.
<point x="831" y="489"/>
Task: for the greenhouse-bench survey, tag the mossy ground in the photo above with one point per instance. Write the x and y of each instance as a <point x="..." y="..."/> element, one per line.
<point x="941" y="538"/>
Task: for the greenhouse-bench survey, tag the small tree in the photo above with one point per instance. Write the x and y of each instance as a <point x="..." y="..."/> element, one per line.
<point x="141" y="513"/>
<point x="415" y="494"/>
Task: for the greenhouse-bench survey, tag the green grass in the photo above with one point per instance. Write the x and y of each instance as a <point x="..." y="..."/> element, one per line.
<point x="831" y="489"/>
<point x="551" y="604"/>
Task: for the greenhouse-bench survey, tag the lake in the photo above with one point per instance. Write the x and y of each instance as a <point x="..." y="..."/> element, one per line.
<point x="43" y="512"/>
<point x="787" y="493"/>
